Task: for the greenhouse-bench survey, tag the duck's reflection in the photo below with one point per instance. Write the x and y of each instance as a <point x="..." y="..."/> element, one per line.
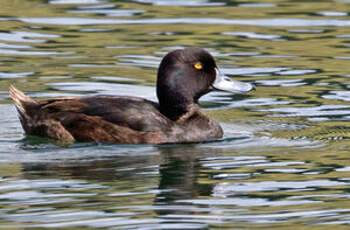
<point x="179" y="174"/>
<point x="174" y="173"/>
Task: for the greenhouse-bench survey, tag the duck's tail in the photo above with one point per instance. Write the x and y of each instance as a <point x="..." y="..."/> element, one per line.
<point x="25" y="106"/>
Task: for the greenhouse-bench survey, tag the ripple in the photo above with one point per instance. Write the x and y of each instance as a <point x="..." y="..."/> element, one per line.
<point x="282" y="83"/>
<point x="244" y="54"/>
<point x="318" y="111"/>
<point x="170" y="48"/>
<point x="275" y="56"/>
<point x="181" y="2"/>
<point x="264" y="70"/>
<point x="338" y="95"/>
<point x="33" y="53"/>
<point x="46" y="184"/>
<point x="121" y="47"/>
<point x="105" y="6"/>
<point x="343" y="36"/>
<point x="60" y="216"/>
<point x="56" y="77"/>
<point x="332" y="13"/>
<point x="342" y="57"/>
<point x="96" y="222"/>
<point x="285" y="170"/>
<point x="272" y="217"/>
<point x="129" y="194"/>
<point x="95" y="30"/>
<point x="213" y="52"/>
<point x="53" y="94"/>
<point x="253" y="35"/>
<point x="227" y="189"/>
<point x="116" y="79"/>
<point x="273" y="22"/>
<point x="21" y="36"/>
<point x="140" y="60"/>
<point x="345" y="169"/>
<point x="250" y="70"/>
<point x="11" y="46"/>
<point x="297" y="72"/>
<point x="233" y="158"/>
<point x="249" y="163"/>
<point x="79" y="153"/>
<point x="106" y="88"/>
<point x="306" y="31"/>
<point x="34" y="197"/>
<point x="247" y="202"/>
<point x="257" y="5"/>
<point x="56" y="2"/>
<point x="239" y="138"/>
<point x="14" y="75"/>
<point x="108" y="12"/>
<point x="232" y="176"/>
<point x="256" y="102"/>
<point x="91" y="65"/>
<point x="166" y="33"/>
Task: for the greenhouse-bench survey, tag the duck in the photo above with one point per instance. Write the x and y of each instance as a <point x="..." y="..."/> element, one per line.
<point x="184" y="75"/>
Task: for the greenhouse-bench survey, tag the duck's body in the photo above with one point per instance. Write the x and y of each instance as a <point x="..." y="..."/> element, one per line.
<point x="132" y="120"/>
<point x="117" y="119"/>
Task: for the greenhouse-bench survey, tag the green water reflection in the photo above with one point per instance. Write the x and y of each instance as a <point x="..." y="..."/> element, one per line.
<point x="283" y="163"/>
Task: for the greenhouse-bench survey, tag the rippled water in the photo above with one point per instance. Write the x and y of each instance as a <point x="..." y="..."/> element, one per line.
<point x="283" y="163"/>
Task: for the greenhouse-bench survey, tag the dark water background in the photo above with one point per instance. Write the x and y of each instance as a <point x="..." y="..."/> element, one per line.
<point x="284" y="162"/>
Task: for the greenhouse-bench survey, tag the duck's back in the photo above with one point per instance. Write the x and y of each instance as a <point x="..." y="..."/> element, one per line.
<point x="115" y="119"/>
<point x="133" y="112"/>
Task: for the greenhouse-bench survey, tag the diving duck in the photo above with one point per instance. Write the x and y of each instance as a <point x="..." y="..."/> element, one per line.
<point x="184" y="75"/>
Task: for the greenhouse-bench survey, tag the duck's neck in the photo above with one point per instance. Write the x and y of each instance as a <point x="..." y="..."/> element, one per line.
<point x="176" y="111"/>
<point x="191" y="110"/>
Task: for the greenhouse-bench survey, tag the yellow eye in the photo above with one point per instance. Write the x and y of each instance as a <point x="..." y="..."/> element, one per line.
<point x="198" y="65"/>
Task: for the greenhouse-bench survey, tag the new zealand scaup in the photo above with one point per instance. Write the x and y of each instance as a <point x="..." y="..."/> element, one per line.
<point x="183" y="77"/>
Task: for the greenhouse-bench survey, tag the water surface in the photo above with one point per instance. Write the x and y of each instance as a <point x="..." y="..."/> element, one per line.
<point x="282" y="164"/>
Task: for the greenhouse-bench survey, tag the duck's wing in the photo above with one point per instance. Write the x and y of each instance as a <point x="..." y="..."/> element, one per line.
<point x="97" y="119"/>
<point x="132" y="112"/>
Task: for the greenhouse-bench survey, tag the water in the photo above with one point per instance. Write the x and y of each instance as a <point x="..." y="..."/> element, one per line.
<point x="282" y="164"/>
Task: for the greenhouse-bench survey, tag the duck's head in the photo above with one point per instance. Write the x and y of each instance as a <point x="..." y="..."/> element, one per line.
<point x="185" y="75"/>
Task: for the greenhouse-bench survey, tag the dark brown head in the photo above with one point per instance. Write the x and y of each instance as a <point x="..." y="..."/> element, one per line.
<point x="187" y="74"/>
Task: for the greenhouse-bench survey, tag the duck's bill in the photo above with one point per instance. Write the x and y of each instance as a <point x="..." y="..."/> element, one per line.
<point x="227" y="84"/>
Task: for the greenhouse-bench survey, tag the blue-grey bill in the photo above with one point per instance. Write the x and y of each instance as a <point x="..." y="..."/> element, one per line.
<point x="227" y="84"/>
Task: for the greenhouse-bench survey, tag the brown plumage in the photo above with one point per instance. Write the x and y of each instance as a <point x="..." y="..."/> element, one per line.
<point x="132" y="120"/>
